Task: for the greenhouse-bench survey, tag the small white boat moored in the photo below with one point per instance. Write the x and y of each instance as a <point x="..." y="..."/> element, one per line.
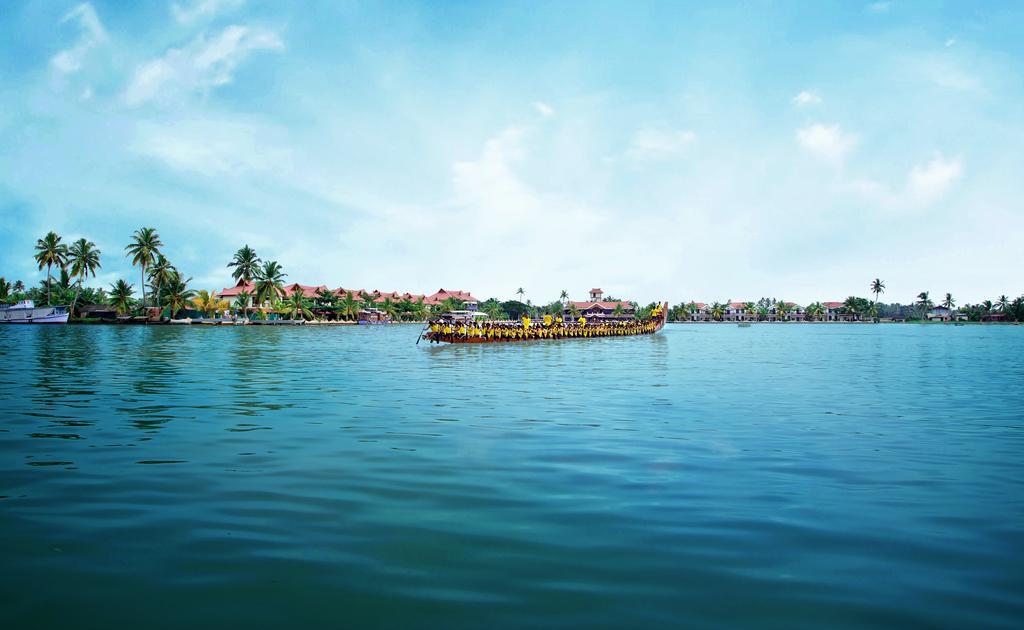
<point x="26" y="312"/>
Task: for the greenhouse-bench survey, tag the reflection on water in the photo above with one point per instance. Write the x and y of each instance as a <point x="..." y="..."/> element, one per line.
<point x="708" y="475"/>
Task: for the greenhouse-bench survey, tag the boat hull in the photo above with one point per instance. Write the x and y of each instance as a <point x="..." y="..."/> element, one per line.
<point x="441" y="338"/>
<point x="34" y="315"/>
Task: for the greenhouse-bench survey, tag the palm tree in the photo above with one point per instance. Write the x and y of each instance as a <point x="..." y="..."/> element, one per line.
<point x="19" y="286"/>
<point x="160" y="273"/>
<point x="1003" y="302"/>
<point x="296" y="306"/>
<point x="877" y="287"/>
<point x="563" y="296"/>
<point x="5" y="289"/>
<point x="349" y="306"/>
<point x="924" y="303"/>
<point x="49" y="252"/>
<point x="949" y="302"/>
<point x="389" y="308"/>
<point x="246" y="264"/>
<point x="176" y="294"/>
<point x="520" y="292"/>
<point x="269" y="282"/>
<point x="208" y="303"/>
<point x="815" y="310"/>
<point x="717" y="311"/>
<point x="618" y="310"/>
<point x="782" y="310"/>
<point x="419" y="309"/>
<point x="452" y="304"/>
<point x="326" y="298"/>
<point x="242" y="303"/>
<point x="367" y="299"/>
<point x="143" y="249"/>
<point x="84" y="259"/>
<point x="852" y="307"/>
<point x="121" y="296"/>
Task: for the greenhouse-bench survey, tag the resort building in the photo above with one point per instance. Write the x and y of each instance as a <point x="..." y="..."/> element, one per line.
<point x="943" y="314"/>
<point x="702" y="314"/>
<point x="311" y="292"/>
<point x="834" y="312"/>
<point x="599" y="308"/>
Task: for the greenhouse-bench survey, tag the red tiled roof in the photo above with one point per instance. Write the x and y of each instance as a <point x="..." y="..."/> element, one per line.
<point x="831" y="304"/>
<point x="441" y="295"/>
<point x="238" y="288"/>
<point x="738" y="304"/>
<point x="596" y="291"/>
<point x="307" y="291"/>
<point x="582" y="306"/>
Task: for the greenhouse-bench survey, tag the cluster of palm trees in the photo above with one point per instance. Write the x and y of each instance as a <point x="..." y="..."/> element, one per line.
<point x="76" y="261"/>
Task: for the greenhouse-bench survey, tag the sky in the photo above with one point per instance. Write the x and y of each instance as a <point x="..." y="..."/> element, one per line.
<point x="660" y="151"/>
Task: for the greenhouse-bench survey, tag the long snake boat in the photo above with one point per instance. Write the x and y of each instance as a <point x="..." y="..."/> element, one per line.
<point x="463" y="328"/>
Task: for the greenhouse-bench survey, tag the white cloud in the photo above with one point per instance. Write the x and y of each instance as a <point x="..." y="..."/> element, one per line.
<point x="210" y="147"/>
<point x="658" y="144"/>
<point x="199" y="9"/>
<point x="201" y="65"/>
<point x="925" y="185"/>
<point x="91" y="34"/>
<point x="879" y="7"/>
<point x="932" y="181"/>
<point x="829" y="142"/>
<point x="806" y="98"/>
<point x="950" y="42"/>
<point x="544" y="109"/>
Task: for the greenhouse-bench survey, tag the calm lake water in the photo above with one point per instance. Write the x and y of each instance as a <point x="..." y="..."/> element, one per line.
<point x="777" y="475"/>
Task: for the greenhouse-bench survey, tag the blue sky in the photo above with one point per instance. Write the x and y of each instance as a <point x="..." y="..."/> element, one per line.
<point x="658" y="150"/>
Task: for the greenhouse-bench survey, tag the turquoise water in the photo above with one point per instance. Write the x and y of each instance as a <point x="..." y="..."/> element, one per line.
<point x="779" y="475"/>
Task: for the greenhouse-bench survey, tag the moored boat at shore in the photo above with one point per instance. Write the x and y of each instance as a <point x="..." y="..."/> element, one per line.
<point x="26" y="312"/>
<point x="452" y="328"/>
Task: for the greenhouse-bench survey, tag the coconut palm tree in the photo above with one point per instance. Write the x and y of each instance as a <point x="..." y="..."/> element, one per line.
<point x="121" y="296"/>
<point x="269" y="282"/>
<point x="83" y="260"/>
<point x="19" y="286"/>
<point x="618" y="310"/>
<point x="452" y="304"/>
<point x="349" y="306"/>
<point x="924" y="303"/>
<point x="389" y="308"/>
<point x="949" y="302"/>
<point x="717" y="311"/>
<point x="246" y="264"/>
<point x="852" y="307"/>
<point x="176" y="294"/>
<point x="520" y="292"/>
<point x="782" y="310"/>
<point x="1003" y="302"/>
<point x="142" y="250"/>
<point x="208" y="303"/>
<point x="49" y="252"/>
<point x="160" y="273"/>
<point x="419" y="309"/>
<point x="242" y="303"/>
<point x="877" y="287"/>
<point x="368" y="300"/>
<point x="815" y="310"/>
<point x="5" y="289"/>
<point x="295" y="306"/>
<point x="326" y="298"/>
<point x="563" y="296"/>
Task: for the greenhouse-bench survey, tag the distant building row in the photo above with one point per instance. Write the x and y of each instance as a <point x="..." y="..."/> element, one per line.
<point x="309" y="291"/>
<point x="832" y="312"/>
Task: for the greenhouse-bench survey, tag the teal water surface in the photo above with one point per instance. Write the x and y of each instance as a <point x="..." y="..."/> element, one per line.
<point x="777" y="475"/>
